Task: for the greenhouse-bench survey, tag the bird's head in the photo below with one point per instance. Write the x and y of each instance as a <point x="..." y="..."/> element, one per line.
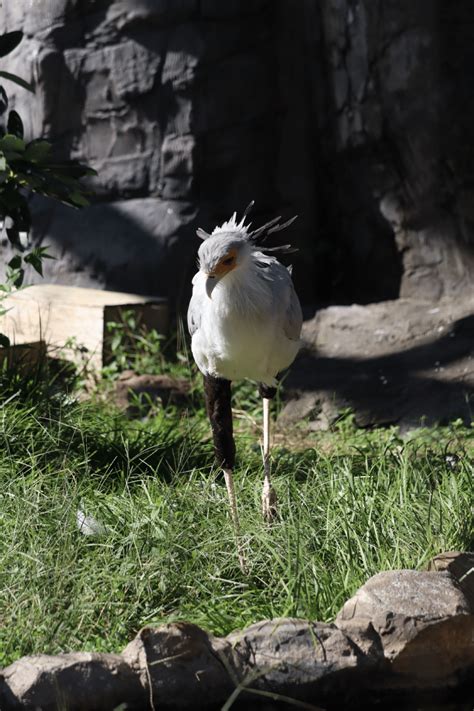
<point x="222" y="252"/>
<point x="230" y="246"/>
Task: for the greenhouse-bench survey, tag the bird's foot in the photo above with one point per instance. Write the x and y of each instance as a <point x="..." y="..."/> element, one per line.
<point x="269" y="502"/>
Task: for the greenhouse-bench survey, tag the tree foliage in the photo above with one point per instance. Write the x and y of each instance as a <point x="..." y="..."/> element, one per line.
<point x="29" y="167"/>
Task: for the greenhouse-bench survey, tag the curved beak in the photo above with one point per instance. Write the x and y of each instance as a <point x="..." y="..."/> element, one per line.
<point x="211" y="282"/>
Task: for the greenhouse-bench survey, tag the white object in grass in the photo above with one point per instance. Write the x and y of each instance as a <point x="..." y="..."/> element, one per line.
<point x="88" y="525"/>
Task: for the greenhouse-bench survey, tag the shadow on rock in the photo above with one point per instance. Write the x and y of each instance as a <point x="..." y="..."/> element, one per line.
<point x="401" y="362"/>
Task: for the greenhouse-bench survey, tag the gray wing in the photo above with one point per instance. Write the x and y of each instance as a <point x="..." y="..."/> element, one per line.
<point x="293" y="319"/>
<point x="285" y="298"/>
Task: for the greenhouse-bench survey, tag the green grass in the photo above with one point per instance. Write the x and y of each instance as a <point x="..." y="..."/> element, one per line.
<point x="352" y="503"/>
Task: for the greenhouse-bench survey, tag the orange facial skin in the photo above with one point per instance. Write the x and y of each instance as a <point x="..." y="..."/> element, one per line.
<point x="226" y="265"/>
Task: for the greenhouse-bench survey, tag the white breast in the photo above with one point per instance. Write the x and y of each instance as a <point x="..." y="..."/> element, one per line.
<point x="241" y="333"/>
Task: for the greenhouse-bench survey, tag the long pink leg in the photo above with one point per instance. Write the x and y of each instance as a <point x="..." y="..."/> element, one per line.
<point x="229" y="482"/>
<point x="269" y="499"/>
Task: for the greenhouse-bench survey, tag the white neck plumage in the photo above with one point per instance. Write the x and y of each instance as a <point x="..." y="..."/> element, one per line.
<point x="242" y="291"/>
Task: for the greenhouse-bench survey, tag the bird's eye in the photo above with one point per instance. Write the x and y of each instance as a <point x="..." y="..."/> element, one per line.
<point x="229" y="260"/>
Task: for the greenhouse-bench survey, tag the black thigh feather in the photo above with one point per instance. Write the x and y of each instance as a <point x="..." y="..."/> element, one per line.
<point x="266" y="391"/>
<point x="219" y="411"/>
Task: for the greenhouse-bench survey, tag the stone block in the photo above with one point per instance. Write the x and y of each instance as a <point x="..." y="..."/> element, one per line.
<point x="177" y="163"/>
<point x="184" y="50"/>
<point x="58" y="314"/>
<point x="306" y="661"/>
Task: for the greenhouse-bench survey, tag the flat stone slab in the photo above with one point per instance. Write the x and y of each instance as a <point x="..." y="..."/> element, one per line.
<point x="57" y="314"/>
<point x="406" y="361"/>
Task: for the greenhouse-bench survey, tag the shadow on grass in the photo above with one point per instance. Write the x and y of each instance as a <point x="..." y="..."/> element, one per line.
<point x="45" y="421"/>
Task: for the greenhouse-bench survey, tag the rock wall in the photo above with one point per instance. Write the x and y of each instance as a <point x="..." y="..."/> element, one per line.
<point x="355" y="114"/>
<point x="172" y="103"/>
<point x="397" y="134"/>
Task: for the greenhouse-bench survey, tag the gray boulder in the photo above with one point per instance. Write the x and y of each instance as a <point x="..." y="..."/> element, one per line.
<point x="180" y="667"/>
<point x="169" y="102"/>
<point x="299" y="660"/>
<point x="337" y="111"/>
<point x="77" y="682"/>
<point x="183" y="667"/>
<point x="422" y="624"/>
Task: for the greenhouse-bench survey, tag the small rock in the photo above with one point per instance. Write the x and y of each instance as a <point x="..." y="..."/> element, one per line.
<point x="168" y="390"/>
<point x="461" y="567"/>
<point x="77" y="682"/>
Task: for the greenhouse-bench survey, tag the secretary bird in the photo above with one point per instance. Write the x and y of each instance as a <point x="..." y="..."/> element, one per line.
<point x="245" y="321"/>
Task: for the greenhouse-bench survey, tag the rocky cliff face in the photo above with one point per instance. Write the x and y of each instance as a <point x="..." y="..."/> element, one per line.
<point x="354" y="114"/>
<point x="395" y="138"/>
<point x="172" y="103"/>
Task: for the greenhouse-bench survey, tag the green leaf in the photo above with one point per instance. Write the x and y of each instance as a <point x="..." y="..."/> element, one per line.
<point x="35" y="258"/>
<point x="35" y="261"/>
<point x="9" y="41"/>
<point x="79" y="199"/>
<point x="4" y="340"/>
<point x="15" y="124"/>
<point x="43" y="253"/>
<point x="15" y="276"/>
<point x="17" y="80"/>
<point x="18" y="279"/>
<point x="3" y="163"/>
<point x="15" y="262"/>
<point x="37" y="151"/>
<point x="32" y="181"/>
<point x="9" y="142"/>
<point x="3" y="101"/>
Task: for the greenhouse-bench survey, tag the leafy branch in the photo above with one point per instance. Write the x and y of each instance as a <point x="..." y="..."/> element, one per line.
<point x="29" y="167"/>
